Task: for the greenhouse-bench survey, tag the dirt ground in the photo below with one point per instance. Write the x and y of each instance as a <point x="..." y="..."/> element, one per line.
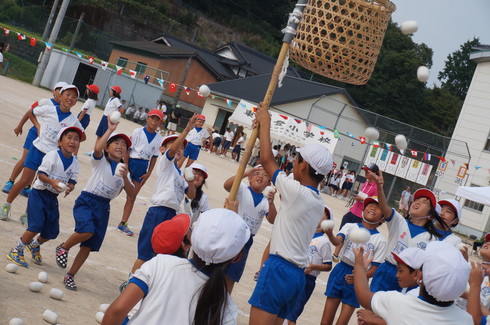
<point x="99" y="279"/>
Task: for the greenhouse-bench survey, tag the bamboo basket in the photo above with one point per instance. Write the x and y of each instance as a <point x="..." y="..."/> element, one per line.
<point x="341" y="39"/>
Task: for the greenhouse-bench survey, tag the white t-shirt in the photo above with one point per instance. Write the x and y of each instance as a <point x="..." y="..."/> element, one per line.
<point x="112" y="105"/>
<point x="1" y="57"/>
<point x="452" y="239"/>
<point x="131" y="110"/>
<point x="252" y="213"/>
<point x="52" y="120"/>
<point x="173" y="288"/>
<point x="319" y="253"/>
<point x="376" y="244"/>
<point x="88" y="106"/>
<point x="216" y="135"/>
<point x="404" y="234"/>
<point x="485" y="292"/>
<point x="143" y="116"/>
<point x="170" y="186"/>
<point x="57" y="166"/>
<point x="103" y="182"/>
<point x="299" y="213"/>
<point x="229" y="136"/>
<point x="202" y="206"/>
<point x="196" y="136"/>
<point x="137" y="115"/>
<point x="399" y="309"/>
<point x="141" y="147"/>
<point x="240" y="141"/>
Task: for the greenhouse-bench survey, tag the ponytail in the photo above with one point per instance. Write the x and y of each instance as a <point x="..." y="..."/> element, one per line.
<point x="197" y="198"/>
<point x="430" y="226"/>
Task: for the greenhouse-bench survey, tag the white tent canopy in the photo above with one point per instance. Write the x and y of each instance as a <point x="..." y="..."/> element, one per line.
<point x="473" y="193"/>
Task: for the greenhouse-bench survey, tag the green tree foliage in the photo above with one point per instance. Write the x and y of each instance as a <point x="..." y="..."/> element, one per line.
<point x="442" y="110"/>
<point x="458" y="71"/>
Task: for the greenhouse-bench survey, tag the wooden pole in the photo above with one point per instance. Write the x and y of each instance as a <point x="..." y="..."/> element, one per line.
<point x="289" y="35"/>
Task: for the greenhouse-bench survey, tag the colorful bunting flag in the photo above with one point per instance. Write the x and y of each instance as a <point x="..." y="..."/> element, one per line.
<point x="229" y="102"/>
<point x="350" y="134"/>
<point x="132" y="74"/>
<point x="160" y="81"/>
<point x="6" y="31"/>
<point x="32" y="41"/>
<point x="146" y="79"/>
<point x="376" y="144"/>
<point x="284" y="116"/>
<point x="441" y="158"/>
<point x="119" y="70"/>
<point x="477" y="167"/>
<point x="363" y="140"/>
<point x="103" y="65"/>
<point x="427" y="156"/>
<point x="65" y="50"/>
<point x="187" y="90"/>
<point x="453" y="162"/>
<point x="21" y="37"/>
<point x="466" y="165"/>
<point x="199" y="94"/>
<point x="336" y="134"/>
<point x="414" y="153"/>
<point x="389" y="146"/>
<point x="49" y="46"/>
<point x="173" y="87"/>
<point x="90" y="60"/>
<point x="79" y="54"/>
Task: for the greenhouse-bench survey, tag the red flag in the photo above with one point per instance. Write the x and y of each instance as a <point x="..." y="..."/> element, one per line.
<point x="297" y="121"/>
<point x="283" y="116"/>
<point x="119" y="70"/>
<point x="414" y="153"/>
<point x="441" y="158"/>
<point x="6" y="31"/>
<point x="21" y="37"/>
<point x="199" y="94"/>
<point x="187" y="90"/>
<point x="90" y="60"/>
<point x="32" y="42"/>
<point x="363" y="140"/>
<point x="466" y="166"/>
<point x="173" y="87"/>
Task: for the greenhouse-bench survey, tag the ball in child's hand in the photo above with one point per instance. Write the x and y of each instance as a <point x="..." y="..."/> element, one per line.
<point x="103" y="307"/>
<point x="359" y="236"/>
<point x="327" y="225"/>
<point x="99" y="316"/>
<point x="188" y="174"/>
<point x="119" y="169"/>
<point x="61" y="186"/>
<point x="115" y="117"/>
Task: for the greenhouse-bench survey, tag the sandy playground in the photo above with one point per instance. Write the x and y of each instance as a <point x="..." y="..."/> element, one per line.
<point x="99" y="279"/>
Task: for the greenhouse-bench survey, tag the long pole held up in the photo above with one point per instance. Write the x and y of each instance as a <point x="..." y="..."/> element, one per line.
<point x="289" y="33"/>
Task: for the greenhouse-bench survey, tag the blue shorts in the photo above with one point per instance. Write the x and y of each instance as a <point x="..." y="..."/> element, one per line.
<point x="103" y="126"/>
<point x="31" y="136"/>
<point x="43" y="214"/>
<point x="85" y="121"/>
<point x="337" y="287"/>
<point x="279" y="286"/>
<point x="216" y="142"/>
<point x="91" y="213"/>
<point x="235" y="270"/>
<point x="154" y="217"/>
<point x="237" y="148"/>
<point x="138" y="168"/>
<point x="384" y="278"/>
<point x="192" y="151"/>
<point x="310" y="282"/>
<point x="226" y="144"/>
<point x="34" y="158"/>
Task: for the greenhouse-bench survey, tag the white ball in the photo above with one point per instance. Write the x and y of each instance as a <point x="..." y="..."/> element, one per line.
<point x="99" y="316"/>
<point x="359" y="236"/>
<point x="409" y="27"/>
<point x="103" y="307"/>
<point x="188" y="174"/>
<point x="119" y="168"/>
<point x="327" y="225"/>
<point x="401" y="142"/>
<point x="42" y="276"/>
<point x="50" y="316"/>
<point x="35" y="286"/>
<point x="61" y="186"/>
<point x="269" y="189"/>
<point x="372" y="133"/>
<point x="204" y="90"/>
<point x="11" y="267"/>
<point x="423" y="73"/>
<point x="56" y="293"/>
<point x="16" y="321"/>
<point x="115" y="117"/>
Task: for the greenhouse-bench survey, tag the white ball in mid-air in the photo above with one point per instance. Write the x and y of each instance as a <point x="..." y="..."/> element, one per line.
<point x="423" y="73"/>
<point x="35" y="286"/>
<point x="327" y="225"/>
<point x="189" y="174"/>
<point x="99" y="316"/>
<point x="16" y="321"/>
<point x="115" y="117"/>
<point x="118" y="170"/>
<point x="409" y="27"/>
<point x="401" y="142"/>
<point x="42" y="276"/>
<point x="372" y="133"/>
<point x="359" y="236"/>
<point x="11" y="267"/>
<point x="204" y="90"/>
<point x="56" y="293"/>
<point x="50" y="316"/>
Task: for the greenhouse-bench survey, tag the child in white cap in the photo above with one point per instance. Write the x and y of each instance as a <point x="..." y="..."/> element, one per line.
<point x="281" y="280"/>
<point x="479" y="296"/>
<point x="174" y="290"/>
<point x="450" y="212"/>
<point x="444" y="278"/>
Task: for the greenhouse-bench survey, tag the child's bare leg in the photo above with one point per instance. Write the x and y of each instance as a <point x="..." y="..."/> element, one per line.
<point x="130" y="199"/>
<point x="81" y="257"/>
<point x="261" y="317"/>
<point x="137" y="265"/>
<point x="76" y="238"/>
<point x="346" y="312"/>
<point x="26" y="179"/>
<point x="18" y="166"/>
<point x="28" y="236"/>
<point x="331" y="305"/>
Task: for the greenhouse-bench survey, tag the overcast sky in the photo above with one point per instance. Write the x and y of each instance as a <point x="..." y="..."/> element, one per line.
<point x="444" y="25"/>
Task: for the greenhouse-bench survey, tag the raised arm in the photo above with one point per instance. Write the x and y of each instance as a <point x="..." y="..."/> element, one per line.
<point x="267" y="160"/>
<point x="180" y="140"/>
<point x="101" y="142"/>
<point x="361" y="286"/>
<point x="475" y="280"/>
<point x="383" y="202"/>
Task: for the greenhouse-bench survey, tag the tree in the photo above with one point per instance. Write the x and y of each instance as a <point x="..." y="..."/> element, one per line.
<point x="458" y="71"/>
<point x="442" y="111"/>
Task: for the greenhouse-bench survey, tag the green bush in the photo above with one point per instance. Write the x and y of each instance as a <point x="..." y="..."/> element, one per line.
<point x="18" y="68"/>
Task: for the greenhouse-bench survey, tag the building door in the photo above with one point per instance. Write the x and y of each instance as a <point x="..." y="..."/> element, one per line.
<point x="85" y="76"/>
<point x="221" y="121"/>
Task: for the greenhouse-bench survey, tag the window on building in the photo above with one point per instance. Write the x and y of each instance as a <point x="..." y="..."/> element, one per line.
<point x="473" y="205"/>
<point x="122" y="62"/>
<point x="141" y="67"/>
<point x="487" y="143"/>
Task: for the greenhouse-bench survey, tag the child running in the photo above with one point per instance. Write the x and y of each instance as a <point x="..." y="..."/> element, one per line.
<point x="195" y="139"/>
<point x="174" y="290"/>
<point x="319" y="260"/>
<point x="113" y="104"/>
<point x="281" y="280"/>
<point x="89" y="105"/>
<point x="58" y="166"/>
<point x="92" y="208"/>
<point x="143" y="155"/>
<point x="51" y="120"/>
<point x="340" y="285"/>
<point x="253" y="207"/>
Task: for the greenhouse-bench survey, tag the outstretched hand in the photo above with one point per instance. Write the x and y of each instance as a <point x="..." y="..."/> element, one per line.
<point x="378" y="179"/>
<point x="262" y="116"/>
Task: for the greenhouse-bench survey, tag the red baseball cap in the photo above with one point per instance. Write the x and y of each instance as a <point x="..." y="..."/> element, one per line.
<point x="487" y="237"/>
<point x="156" y="112"/>
<point x="201" y="117"/>
<point x="424" y="192"/>
<point x="94" y="88"/>
<point x="172" y="137"/>
<point x="167" y="236"/>
<point x="117" y="89"/>
<point x="70" y="128"/>
<point x="124" y="136"/>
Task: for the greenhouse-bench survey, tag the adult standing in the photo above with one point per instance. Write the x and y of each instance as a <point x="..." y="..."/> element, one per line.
<point x="173" y="120"/>
<point x="404" y="201"/>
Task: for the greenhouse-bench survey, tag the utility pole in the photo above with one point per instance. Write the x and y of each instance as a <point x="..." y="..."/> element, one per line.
<point x="184" y="77"/>
<point x="77" y="30"/>
<point x="52" y="39"/>
<point x="50" y="20"/>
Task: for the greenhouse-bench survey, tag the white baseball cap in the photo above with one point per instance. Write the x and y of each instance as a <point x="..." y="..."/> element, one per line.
<point x="411" y="256"/>
<point x="219" y="235"/>
<point x="200" y="167"/>
<point x="318" y="157"/>
<point x="66" y="87"/>
<point x="59" y="84"/>
<point x="445" y="272"/>
<point x="454" y="205"/>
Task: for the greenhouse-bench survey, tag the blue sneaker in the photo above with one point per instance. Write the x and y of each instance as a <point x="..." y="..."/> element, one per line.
<point x="123" y="227"/>
<point x="7" y="187"/>
<point x="17" y="257"/>
<point x="36" y="254"/>
<point x="25" y="191"/>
